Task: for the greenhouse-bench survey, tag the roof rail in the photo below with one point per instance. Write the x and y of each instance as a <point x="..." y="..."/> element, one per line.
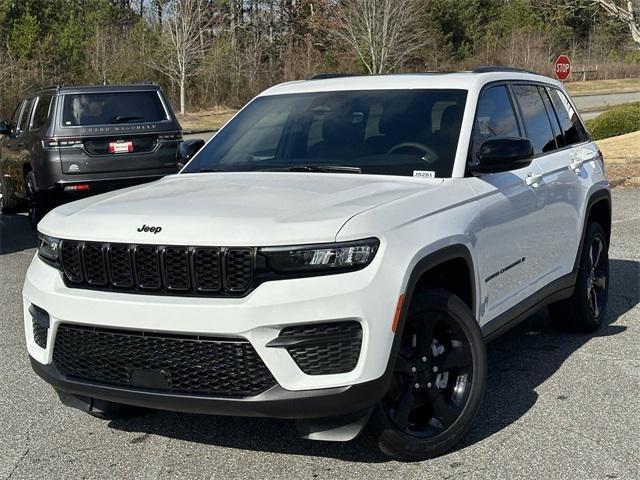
<point x="491" y="69"/>
<point x="324" y="76"/>
<point x="50" y="87"/>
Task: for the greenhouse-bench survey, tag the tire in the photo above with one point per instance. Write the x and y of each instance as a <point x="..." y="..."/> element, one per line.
<point x="585" y="310"/>
<point x="38" y="207"/>
<point x="8" y="204"/>
<point x="410" y="423"/>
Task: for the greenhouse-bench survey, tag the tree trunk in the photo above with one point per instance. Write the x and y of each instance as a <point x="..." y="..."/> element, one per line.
<point x="182" y="95"/>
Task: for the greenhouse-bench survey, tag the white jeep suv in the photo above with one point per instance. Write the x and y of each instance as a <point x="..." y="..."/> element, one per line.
<point x="339" y="254"/>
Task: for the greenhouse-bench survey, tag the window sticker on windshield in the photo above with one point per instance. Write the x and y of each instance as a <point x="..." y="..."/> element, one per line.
<point x="424" y="173"/>
<point x="483" y="125"/>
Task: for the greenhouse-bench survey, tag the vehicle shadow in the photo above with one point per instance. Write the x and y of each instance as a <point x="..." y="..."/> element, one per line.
<point x="16" y="234"/>
<point x="519" y="362"/>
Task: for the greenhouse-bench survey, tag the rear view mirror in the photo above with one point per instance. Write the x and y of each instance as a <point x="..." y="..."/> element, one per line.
<point x="5" y="128"/>
<point x="502" y="154"/>
<point x="188" y="149"/>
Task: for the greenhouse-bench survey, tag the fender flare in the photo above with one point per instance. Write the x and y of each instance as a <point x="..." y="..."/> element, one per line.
<point x="451" y="252"/>
<point x="597" y="196"/>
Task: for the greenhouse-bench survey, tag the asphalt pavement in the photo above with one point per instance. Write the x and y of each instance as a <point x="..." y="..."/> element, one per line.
<point x="590" y="106"/>
<point x="559" y="405"/>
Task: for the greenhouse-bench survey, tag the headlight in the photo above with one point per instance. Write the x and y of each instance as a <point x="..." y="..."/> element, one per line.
<point x="321" y="258"/>
<point x="48" y="248"/>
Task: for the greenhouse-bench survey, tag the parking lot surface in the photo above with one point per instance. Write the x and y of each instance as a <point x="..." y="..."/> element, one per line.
<point x="558" y="405"/>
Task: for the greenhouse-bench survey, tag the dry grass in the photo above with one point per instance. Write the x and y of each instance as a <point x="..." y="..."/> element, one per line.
<point x="622" y="157"/>
<point x="621" y="149"/>
<point x="206" y="119"/>
<point x="596" y="87"/>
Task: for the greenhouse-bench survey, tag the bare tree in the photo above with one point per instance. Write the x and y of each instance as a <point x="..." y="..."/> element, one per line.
<point x="628" y="15"/>
<point x="184" y="40"/>
<point x="383" y="33"/>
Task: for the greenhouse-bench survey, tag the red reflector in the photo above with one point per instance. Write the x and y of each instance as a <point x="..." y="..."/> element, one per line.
<point x="77" y="188"/>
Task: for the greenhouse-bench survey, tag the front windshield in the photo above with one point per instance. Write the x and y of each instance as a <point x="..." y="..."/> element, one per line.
<point x="384" y="132"/>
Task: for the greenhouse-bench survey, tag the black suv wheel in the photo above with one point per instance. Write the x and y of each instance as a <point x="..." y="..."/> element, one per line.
<point x="586" y="308"/>
<point x="8" y="204"/>
<point x="36" y="204"/>
<point x="438" y="383"/>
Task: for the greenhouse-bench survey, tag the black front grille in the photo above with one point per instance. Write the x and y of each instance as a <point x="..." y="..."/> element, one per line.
<point x="194" y="365"/>
<point x="325" y="348"/>
<point x="169" y="270"/>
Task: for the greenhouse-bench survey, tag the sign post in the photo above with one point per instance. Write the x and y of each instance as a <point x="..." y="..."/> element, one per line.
<point x="563" y="67"/>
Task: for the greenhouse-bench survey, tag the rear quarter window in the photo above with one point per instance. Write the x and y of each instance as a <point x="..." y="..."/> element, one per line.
<point x="42" y="112"/>
<point x="112" y="108"/>
<point x="572" y="128"/>
<point x="26" y="113"/>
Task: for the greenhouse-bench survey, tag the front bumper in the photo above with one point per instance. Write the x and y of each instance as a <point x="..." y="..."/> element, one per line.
<point x="275" y="402"/>
<point x="361" y="296"/>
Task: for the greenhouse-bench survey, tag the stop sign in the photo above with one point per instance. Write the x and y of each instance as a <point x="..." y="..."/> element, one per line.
<point x="563" y="67"/>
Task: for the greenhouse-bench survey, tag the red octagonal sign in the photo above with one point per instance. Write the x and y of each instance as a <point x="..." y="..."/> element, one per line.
<point x="563" y="67"/>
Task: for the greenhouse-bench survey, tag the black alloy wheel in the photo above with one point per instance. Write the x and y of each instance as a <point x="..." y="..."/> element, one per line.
<point x="585" y="310"/>
<point x="597" y="265"/>
<point x="437" y="384"/>
<point x="432" y="378"/>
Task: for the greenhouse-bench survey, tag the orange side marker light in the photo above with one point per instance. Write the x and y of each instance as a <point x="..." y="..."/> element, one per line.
<point x="396" y="317"/>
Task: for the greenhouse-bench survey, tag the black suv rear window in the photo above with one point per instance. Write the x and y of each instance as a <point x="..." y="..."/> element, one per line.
<point x="112" y="108"/>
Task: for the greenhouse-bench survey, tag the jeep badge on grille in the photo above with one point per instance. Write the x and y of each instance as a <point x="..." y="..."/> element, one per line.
<point x="146" y="228"/>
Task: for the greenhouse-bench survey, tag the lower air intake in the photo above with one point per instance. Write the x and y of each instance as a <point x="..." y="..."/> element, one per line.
<point x="178" y="364"/>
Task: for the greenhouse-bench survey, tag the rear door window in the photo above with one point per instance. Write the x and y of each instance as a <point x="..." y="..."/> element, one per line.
<point x="535" y="118"/>
<point x="572" y="128"/>
<point x="555" y="125"/>
<point x="88" y="109"/>
<point x="42" y="112"/>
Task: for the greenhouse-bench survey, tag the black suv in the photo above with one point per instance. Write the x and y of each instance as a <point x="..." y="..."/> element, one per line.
<point x="66" y="142"/>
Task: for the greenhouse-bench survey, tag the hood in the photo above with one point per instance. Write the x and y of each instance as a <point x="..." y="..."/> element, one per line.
<point x="229" y="209"/>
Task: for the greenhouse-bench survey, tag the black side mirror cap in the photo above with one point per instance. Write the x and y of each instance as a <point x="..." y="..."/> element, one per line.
<point x="501" y="154"/>
<point x="5" y="128"/>
<point x="188" y="149"/>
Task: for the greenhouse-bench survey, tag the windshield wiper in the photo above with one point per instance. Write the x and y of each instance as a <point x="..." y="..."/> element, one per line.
<point x="315" y="168"/>
<point x="207" y="170"/>
<point x="126" y="118"/>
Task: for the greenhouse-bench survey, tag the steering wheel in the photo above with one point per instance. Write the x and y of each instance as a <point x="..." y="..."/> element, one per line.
<point x="430" y="155"/>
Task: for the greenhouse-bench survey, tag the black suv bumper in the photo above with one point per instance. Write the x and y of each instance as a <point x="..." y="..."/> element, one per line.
<point x="275" y="402"/>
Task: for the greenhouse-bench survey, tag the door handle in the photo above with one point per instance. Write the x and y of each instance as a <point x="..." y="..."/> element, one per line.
<point x="577" y="165"/>
<point x="533" y="179"/>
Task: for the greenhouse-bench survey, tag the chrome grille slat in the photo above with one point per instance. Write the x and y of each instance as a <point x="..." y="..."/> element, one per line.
<point x="158" y="269"/>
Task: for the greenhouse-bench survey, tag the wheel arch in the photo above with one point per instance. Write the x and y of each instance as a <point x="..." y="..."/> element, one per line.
<point x="598" y="210"/>
<point x="457" y="256"/>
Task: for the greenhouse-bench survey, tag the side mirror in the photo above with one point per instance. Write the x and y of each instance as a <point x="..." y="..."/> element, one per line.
<point x="188" y="149"/>
<point x="502" y="154"/>
<point x="5" y="128"/>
